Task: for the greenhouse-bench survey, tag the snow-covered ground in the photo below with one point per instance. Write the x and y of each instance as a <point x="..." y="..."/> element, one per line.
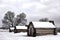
<point x="5" y="35"/>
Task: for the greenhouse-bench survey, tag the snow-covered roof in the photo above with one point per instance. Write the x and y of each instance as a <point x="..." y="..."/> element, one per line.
<point x="43" y="25"/>
<point x="21" y="27"/>
<point x="12" y="28"/>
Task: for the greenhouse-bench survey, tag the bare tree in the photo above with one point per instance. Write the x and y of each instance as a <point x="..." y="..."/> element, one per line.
<point x="21" y="19"/>
<point x="8" y="18"/>
<point x="44" y="19"/>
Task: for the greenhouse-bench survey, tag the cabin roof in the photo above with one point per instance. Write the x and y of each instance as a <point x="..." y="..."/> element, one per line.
<point x="12" y="28"/>
<point x="21" y="27"/>
<point x="43" y="25"/>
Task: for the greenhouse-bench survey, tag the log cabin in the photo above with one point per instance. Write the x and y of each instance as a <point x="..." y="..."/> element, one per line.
<point x="18" y="29"/>
<point x="41" y="28"/>
<point x="11" y="29"/>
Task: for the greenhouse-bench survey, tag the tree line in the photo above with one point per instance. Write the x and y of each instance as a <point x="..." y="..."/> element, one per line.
<point x="10" y="20"/>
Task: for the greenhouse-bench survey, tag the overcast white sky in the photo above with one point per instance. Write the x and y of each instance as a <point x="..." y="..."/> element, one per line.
<point x="34" y="9"/>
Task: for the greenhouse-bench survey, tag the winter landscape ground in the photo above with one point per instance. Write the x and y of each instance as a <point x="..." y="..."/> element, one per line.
<point x="5" y="35"/>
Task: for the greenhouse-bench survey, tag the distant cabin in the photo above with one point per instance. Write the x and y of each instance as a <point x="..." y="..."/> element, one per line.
<point x="11" y="29"/>
<point x="41" y="28"/>
<point x="18" y="29"/>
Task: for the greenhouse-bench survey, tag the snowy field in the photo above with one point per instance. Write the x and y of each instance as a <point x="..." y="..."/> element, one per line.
<point x="5" y="35"/>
